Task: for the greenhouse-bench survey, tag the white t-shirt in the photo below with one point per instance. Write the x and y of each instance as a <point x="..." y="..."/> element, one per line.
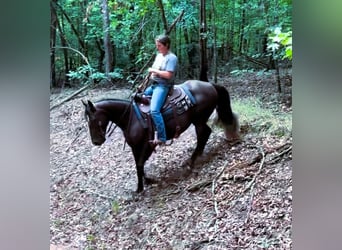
<point x="165" y="63"/>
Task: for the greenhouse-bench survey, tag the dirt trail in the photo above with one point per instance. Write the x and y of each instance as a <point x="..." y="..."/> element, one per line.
<point x="237" y="197"/>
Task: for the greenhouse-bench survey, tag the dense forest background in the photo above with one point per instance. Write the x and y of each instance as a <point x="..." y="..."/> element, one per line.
<point x="103" y="41"/>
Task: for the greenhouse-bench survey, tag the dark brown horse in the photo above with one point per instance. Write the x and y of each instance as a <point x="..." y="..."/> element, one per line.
<point x="202" y="99"/>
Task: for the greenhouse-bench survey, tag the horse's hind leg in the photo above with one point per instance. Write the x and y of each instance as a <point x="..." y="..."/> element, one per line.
<point x="203" y="132"/>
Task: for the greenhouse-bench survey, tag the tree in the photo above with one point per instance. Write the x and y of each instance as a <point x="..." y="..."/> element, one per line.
<point x="117" y="36"/>
<point x="53" y="28"/>
<point x="107" y="44"/>
<point x="203" y="42"/>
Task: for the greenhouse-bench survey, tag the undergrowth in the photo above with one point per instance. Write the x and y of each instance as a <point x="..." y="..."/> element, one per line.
<point x="260" y="120"/>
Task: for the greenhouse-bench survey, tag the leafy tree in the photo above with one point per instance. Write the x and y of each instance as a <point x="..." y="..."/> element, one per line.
<point x="238" y="35"/>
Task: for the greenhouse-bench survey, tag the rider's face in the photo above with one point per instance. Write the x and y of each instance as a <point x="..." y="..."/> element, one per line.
<point x="161" y="48"/>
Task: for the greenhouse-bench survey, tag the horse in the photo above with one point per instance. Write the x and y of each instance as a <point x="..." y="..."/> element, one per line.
<point x="138" y="130"/>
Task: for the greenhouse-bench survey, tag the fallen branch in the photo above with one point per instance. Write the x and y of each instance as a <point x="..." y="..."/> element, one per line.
<point x="276" y="157"/>
<point x="250" y="206"/>
<point x="252" y="183"/>
<point x="213" y="186"/>
<point x="198" y="185"/>
<point x="71" y="96"/>
<point x="95" y="193"/>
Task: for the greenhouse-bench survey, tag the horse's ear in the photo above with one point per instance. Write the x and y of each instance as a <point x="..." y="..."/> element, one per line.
<point x="91" y="106"/>
<point x="84" y="103"/>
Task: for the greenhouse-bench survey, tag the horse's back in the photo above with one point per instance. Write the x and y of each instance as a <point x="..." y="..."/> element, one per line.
<point x="204" y="92"/>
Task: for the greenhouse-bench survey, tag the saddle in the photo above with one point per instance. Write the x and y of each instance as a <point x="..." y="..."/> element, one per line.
<point x="178" y="101"/>
<point x="176" y="96"/>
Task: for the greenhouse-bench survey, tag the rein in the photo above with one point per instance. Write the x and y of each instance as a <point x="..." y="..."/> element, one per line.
<point x="140" y="88"/>
<point x="108" y="132"/>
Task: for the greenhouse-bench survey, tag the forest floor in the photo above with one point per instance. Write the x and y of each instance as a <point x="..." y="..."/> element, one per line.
<point x="238" y="196"/>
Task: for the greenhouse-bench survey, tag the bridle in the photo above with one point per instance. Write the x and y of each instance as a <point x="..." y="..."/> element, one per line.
<point x="109" y="130"/>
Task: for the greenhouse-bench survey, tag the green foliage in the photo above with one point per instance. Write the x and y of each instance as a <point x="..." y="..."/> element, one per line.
<point x="115" y="207"/>
<point x="91" y="238"/>
<point x="281" y="42"/>
<point x="241" y="72"/>
<point x="134" y="24"/>
<point x="85" y="73"/>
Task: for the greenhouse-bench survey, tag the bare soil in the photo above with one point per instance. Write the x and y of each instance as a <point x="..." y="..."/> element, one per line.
<point x="238" y="196"/>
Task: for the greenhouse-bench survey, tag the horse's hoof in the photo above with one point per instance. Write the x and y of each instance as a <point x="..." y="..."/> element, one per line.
<point x="189" y="164"/>
<point x="232" y="136"/>
<point x="150" y="181"/>
<point x="139" y="190"/>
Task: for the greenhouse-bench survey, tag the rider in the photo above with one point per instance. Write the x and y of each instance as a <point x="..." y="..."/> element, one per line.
<point x="162" y="78"/>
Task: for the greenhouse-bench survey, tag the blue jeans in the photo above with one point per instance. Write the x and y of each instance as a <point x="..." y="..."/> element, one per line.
<point x="159" y="93"/>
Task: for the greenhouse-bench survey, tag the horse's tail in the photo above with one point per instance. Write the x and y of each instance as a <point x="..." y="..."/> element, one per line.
<point x="226" y="116"/>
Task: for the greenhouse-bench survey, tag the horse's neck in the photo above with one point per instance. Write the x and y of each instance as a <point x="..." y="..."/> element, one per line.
<point x="118" y="112"/>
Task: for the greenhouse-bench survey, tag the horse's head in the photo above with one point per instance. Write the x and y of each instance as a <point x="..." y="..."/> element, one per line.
<point x="97" y="122"/>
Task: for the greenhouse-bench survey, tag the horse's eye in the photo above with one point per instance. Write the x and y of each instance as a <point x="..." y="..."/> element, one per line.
<point x="100" y="123"/>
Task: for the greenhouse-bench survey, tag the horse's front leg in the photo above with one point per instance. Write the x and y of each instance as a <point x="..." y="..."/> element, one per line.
<point x="141" y="154"/>
<point x="140" y="174"/>
<point x="143" y="179"/>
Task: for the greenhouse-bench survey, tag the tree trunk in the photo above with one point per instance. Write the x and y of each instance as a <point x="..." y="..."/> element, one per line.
<point x="190" y="54"/>
<point x="53" y="28"/>
<point x="213" y="26"/>
<point x="106" y="39"/>
<point x="80" y="41"/>
<point x="100" y="56"/>
<point x="161" y="6"/>
<point x="242" y="27"/>
<point x="64" y="43"/>
<point x="231" y="43"/>
<point x="203" y="43"/>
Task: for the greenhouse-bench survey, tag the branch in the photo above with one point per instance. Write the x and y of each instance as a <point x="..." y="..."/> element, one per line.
<point x="81" y="89"/>
<point x="71" y="96"/>
<point x="80" y="41"/>
<point x="174" y="22"/>
<point x="276" y="157"/>
<point x="89" y="191"/>
<point x="251" y="185"/>
<point x="77" y="51"/>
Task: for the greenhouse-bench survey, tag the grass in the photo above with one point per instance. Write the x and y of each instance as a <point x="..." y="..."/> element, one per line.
<point x="261" y="120"/>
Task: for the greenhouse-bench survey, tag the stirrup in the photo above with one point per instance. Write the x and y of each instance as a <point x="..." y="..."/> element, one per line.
<point x="156" y="142"/>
